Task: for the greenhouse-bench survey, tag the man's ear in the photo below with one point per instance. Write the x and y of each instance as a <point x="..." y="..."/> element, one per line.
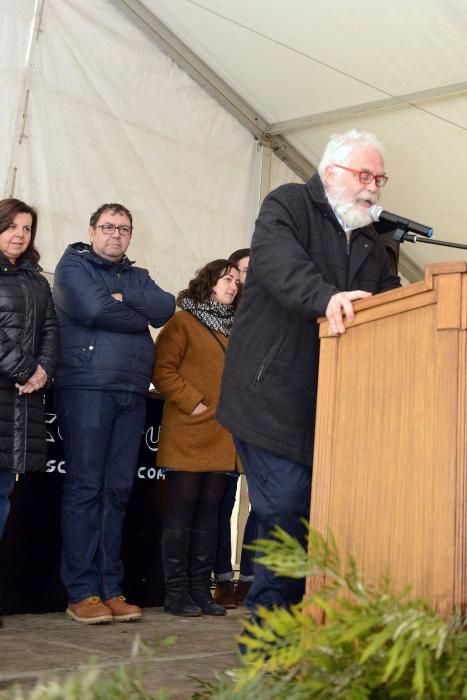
<point x="329" y="174"/>
<point x="91" y="233"/>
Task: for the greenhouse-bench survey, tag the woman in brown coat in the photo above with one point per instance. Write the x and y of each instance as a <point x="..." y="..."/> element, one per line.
<point x="193" y="446"/>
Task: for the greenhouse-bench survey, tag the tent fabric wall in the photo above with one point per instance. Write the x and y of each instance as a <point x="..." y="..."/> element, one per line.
<point x="94" y="110"/>
<point x="15" y="37"/>
<point x="111" y="118"/>
<point x="317" y="61"/>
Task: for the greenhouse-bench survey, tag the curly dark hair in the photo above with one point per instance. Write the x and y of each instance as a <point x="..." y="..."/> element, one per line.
<point x="200" y="287"/>
<point x="9" y="208"/>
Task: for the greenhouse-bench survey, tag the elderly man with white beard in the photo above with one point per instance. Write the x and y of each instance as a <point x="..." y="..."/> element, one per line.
<point x="314" y="252"/>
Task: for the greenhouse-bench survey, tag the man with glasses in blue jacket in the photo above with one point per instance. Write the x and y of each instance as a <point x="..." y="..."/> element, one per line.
<point x="105" y="305"/>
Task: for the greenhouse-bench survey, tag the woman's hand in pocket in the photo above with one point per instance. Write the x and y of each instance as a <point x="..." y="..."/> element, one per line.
<point x="199" y="408"/>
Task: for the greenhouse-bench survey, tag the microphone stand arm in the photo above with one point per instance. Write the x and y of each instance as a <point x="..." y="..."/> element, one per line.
<point x="401" y="236"/>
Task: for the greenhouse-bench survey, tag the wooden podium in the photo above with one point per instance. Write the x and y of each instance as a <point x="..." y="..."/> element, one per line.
<point x="390" y="460"/>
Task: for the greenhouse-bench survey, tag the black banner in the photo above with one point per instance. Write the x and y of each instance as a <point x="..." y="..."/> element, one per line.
<point x="30" y="549"/>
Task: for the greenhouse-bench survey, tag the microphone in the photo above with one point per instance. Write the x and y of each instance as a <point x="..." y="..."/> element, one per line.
<point x="379" y="214"/>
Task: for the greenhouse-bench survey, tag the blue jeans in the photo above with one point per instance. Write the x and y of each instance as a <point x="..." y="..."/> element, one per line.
<point x="7" y="482"/>
<point x="279" y="491"/>
<point x="102" y="432"/>
<point x="223" y="567"/>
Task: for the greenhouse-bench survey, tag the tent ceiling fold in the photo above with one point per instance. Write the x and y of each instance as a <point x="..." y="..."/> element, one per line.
<point x="306" y="69"/>
<point x="208" y="79"/>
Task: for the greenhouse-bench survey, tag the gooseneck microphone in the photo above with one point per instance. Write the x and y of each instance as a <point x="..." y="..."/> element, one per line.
<point x="379" y="214"/>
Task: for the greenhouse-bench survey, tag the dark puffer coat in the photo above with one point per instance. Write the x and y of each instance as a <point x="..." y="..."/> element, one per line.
<point x="28" y="337"/>
<point x="299" y="259"/>
<point x="106" y="344"/>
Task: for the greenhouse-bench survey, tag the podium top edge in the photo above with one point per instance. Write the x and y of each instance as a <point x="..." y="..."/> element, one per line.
<point x="426" y="284"/>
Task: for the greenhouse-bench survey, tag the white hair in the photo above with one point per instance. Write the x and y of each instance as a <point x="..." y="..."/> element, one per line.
<point x="341" y="146"/>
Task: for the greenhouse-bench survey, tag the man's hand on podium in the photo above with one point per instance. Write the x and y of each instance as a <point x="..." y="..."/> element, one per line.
<point x="340" y="305"/>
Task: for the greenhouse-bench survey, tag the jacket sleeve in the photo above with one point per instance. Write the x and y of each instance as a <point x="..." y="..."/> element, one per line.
<point x="77" y="294"/>
<point x="281" y="263"/>
<point x="14" y="363"/>
<point x="152" y="302"/>
<point x="47" y="355"/>
<point x="171" y="346"/>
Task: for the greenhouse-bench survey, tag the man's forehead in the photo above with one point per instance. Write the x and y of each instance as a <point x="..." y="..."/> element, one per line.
<point x="367" y="158"/>
<point x="110" y="214"/>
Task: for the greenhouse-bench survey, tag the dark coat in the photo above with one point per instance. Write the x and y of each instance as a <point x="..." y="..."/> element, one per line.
<point x="28" y="337"/>
<point x="106" y="344"/>
<point x="298" y="260"/>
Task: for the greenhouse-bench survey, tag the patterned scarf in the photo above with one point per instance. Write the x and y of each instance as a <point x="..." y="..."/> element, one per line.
<point x="215" y="316"/>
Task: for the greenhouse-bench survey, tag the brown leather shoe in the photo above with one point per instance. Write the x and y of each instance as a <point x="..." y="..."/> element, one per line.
<point x="91" y="611"/>
<point x="241" y="590"/>
<point x="123" y="611"/>
<point x="225" y="594"/>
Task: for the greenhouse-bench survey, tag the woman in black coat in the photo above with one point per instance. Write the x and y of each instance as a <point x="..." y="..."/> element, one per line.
<point x="28" y="348"/>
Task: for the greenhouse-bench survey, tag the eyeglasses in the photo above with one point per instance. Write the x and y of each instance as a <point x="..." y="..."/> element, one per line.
<point x="109" y="230"/>
<point x="365" y="176"/>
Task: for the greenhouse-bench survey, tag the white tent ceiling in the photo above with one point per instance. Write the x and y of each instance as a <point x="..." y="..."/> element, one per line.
<point x="310" y="68"/>
<point x="94" y="109"/>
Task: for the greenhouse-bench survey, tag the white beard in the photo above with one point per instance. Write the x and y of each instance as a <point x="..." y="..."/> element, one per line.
<point x="351" y="215"/>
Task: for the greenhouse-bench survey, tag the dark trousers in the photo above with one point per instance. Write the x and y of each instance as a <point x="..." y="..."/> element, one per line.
<point x="101" y="432"/>
<point x="7" y="482"/>
<point x="279" y="491"/>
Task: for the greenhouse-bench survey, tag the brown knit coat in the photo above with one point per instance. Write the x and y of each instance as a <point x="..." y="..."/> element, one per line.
<point x="188" y="369"/>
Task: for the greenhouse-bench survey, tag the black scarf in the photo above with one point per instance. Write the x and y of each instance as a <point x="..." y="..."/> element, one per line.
<point x="213" y="314"/>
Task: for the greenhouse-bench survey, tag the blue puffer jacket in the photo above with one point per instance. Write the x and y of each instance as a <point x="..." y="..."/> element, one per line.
<point x="106" y="344"/>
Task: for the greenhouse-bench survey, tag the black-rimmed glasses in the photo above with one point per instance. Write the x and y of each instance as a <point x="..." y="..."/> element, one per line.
<point x="109" y="229"/>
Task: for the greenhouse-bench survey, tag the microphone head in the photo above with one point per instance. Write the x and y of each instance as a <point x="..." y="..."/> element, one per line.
<point x="375" y="212"/>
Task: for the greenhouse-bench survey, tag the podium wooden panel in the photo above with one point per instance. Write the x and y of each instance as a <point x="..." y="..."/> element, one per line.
<point x="390" y="461"/>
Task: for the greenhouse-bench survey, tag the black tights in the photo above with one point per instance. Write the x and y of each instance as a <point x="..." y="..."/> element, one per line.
<point x="195" y="500"/>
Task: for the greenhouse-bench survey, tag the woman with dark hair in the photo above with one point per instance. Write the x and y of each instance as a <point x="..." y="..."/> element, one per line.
<point x="28" y="348"/>
<point x="241" y="258"/>
<point x="193" y="446"/>
<point x="228" y="593"/>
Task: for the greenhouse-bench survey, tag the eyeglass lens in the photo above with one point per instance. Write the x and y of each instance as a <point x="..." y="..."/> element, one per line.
<point x="110" y="229"/>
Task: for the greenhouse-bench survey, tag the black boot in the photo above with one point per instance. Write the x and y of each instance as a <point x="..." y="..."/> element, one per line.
<point x="175" y="546"/>
<point x="203" y="557"/>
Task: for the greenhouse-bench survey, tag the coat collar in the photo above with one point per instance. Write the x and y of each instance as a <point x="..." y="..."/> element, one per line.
<point x="85" y="250"/>
<point x="6" y="267"/>
<point x="362" y="239"/>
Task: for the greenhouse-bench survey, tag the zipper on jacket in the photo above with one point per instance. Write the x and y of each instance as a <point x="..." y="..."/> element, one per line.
<point x="34" y="313"/>
<point x="33" y="352"/>
<point x="270" y="355"/>
<point x="260" y="372"/>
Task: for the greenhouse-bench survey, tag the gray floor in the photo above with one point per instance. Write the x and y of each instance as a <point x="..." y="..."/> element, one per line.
<point x="35" y="647"/>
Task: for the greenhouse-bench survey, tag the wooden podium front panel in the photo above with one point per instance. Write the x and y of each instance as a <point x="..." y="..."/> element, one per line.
<point x="386" y="455"/>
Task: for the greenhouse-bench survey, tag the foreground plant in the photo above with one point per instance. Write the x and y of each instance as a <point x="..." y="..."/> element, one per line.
<point x="126" y="682"/>
<point x="377" y="644"/>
